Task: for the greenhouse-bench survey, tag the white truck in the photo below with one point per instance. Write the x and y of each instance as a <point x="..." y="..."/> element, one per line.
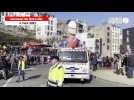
<point x="76" y="63"/>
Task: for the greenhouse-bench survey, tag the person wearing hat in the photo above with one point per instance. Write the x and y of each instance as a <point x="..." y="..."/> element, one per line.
<point x="21" y="68"/>
<point x="56" y="73"/>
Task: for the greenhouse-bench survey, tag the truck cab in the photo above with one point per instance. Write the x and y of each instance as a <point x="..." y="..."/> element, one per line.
<point x="76" y="63"/>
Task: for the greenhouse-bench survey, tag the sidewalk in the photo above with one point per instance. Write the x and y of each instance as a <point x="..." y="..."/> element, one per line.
<point x="110" y="76"/>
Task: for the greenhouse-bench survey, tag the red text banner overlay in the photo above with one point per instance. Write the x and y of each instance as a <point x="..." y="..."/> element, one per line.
<point x="18" y="20"/>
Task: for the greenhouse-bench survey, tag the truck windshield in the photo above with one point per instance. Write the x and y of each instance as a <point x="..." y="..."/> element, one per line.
<point x="73" y="56"/>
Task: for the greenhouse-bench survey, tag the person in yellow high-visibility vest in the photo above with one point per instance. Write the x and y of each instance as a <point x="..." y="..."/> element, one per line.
<point x="25" y="59"/>
<point x="56" y="73"/>
<point x="21" y="68"/>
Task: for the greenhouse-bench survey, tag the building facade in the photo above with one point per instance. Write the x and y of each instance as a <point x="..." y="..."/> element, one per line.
<point x="98" y="33"/>
<point x="128" y="39"/>
<point x="113" y="40"/>
<point x="116" y="39"/>
<point x="62" y="30"/>
<point x="76" y="26"/>
<point x="108" y="38"/>
<point x="81" y="27"/>
<point x="47" y="31"/>
<point x="61" y="27"/>
<point x="87" y="41"/>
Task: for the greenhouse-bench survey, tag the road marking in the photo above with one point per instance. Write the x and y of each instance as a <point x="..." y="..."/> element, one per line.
<point x="9" y="80"/>
<point x="30" y="69"/>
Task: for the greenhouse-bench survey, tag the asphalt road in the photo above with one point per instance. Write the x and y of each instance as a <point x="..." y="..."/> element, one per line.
<point x="36" y="76"/>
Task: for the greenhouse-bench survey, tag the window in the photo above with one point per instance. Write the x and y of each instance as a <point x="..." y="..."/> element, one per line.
<point x="92" y="35"/>
<point x="108" y="28"/>
<point x="51" y="22"/>
<point x="47" y="33"/>
<point x="48" y="27"/>
<point x="108" y="40"/>
<point x="108" y="33"/>
<point x="70" y="56"/>
<point x="107" y="47"/>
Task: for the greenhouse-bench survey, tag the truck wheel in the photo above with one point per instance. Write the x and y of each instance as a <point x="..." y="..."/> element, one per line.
<point x="89" y="80"/>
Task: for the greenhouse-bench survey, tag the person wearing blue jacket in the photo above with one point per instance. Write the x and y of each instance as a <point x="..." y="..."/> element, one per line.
<point x="94" y="63"/>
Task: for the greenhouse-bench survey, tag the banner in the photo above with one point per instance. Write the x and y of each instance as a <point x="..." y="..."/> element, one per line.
<point x="25" y="20"/>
